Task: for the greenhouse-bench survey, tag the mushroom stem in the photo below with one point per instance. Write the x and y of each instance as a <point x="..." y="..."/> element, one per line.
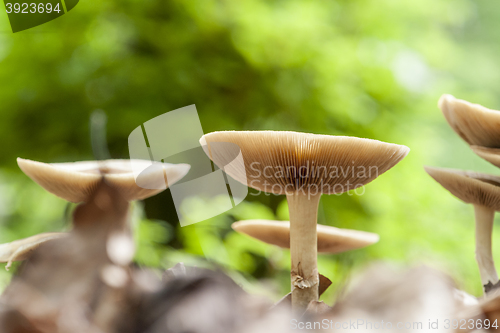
<point x="484" y="256"/>
<point x="303" y="210"/>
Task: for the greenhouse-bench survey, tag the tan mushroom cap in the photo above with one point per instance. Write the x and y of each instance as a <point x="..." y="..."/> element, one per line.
<point x="284" y="162"/>
<point x="474" y="123"/>
<point x="330" y="239"/>
<point x="491" y="155"/>
<point x="20" y="249"/>
<point x="75" y="181"/>
<point x="470" y="187"/>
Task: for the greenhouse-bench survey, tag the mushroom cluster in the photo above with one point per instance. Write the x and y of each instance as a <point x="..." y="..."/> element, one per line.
<point x="480" y="128"/>
<point x="302" y="166"/>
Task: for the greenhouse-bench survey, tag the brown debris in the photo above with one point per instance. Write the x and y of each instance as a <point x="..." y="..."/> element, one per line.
<point x="382" y="293"/>
<point x="317" y="308"/>
<point x="63" y="286"/>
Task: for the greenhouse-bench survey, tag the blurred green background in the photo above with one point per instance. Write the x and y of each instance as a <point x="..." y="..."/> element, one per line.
<point x="367" y="68"/>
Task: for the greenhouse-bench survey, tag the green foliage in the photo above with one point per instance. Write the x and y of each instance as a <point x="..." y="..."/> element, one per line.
<point x="367" y="68"/>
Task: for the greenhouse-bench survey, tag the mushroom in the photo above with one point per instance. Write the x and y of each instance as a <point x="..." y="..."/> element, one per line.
<point x="302" y="166"/>
<point x="482" y="191"/>
<point x="75" y="181"/>
<point x="491" y="155"/>
<point x="20" y="249"/>
<point x="474" y="123"/>
<point x="330" y="239"/>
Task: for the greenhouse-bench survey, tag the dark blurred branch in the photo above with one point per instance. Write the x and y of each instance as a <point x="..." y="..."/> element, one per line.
<point x="98" y="121"/>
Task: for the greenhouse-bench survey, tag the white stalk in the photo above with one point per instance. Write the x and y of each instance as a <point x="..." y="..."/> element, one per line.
<point x="484" y="255"/>
<point x="303" y="210"/>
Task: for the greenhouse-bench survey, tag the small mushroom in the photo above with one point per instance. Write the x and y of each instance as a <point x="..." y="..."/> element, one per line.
<point x="20" y="249"/>
<point x="302" y="166"/>
<point x="330" y="239"/>
<point x="474" y="123"/>
<point x="491" y="155"/>
<point x="75" y="181"/>
<point x="482" y="191"/>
